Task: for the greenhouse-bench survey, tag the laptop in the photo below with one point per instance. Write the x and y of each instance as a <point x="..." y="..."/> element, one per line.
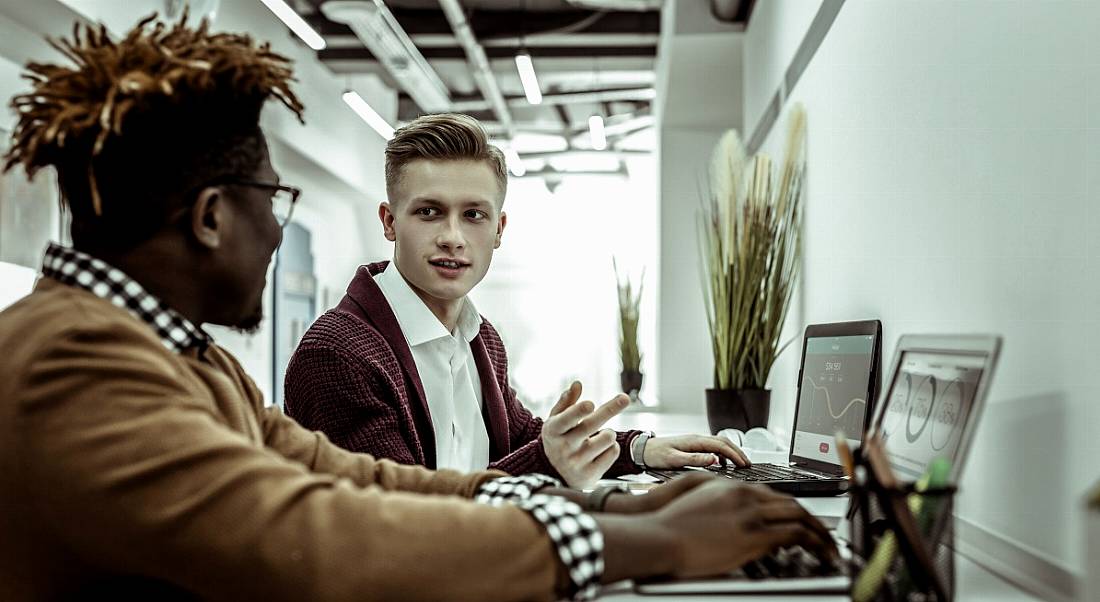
<point x="838" y="380"/>
<point x="930" y="409"/>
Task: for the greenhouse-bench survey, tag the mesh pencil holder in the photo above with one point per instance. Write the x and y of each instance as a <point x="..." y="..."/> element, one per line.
<point x="886" y="560"/>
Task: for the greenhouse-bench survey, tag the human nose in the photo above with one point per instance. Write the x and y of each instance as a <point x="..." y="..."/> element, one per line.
<point x="450" y="235"/>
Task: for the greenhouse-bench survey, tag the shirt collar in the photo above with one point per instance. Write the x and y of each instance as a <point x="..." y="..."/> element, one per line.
<point x="80" y="270"/>
<point x="417" y="322"/>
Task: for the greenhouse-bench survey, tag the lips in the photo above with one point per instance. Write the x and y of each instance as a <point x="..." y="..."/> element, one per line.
<point x="449" y="267"/>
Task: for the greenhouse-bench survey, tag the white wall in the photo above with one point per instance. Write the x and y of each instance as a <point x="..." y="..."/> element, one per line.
<point x="699" y="97"/>
<point x="954" y="186"/>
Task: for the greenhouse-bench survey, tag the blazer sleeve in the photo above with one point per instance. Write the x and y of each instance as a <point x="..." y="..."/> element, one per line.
<point x="329" y="389"/>
<point x="128" y="468"/>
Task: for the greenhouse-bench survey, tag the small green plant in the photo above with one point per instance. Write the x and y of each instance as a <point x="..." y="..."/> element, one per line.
<point x="629" y="302"/>
<point x="751" y="246"/>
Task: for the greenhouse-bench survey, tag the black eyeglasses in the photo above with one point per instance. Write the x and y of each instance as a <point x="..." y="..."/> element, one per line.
<point x="283" y="197"/>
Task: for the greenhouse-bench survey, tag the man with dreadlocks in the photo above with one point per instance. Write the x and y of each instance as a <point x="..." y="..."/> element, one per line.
<point x="137" y="459"/>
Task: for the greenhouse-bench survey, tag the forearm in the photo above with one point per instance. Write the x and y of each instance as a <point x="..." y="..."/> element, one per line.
<point x="636" y="547"/>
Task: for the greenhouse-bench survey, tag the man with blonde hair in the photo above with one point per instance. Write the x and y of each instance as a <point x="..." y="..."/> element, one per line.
<point x="405" y="367"/>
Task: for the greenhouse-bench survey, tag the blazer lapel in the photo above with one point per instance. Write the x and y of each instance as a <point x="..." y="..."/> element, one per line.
<point x="492" y="407"/>
<point x="365" y="300"/>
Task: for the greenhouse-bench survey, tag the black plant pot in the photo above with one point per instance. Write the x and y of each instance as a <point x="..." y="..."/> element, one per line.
<point x="740" y="409"/>
<point x="632" y="383"/>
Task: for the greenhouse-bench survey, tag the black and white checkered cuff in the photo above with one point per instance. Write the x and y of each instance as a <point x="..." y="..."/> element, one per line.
<point x="576" y="537"/>
<point x="510" y="489"/>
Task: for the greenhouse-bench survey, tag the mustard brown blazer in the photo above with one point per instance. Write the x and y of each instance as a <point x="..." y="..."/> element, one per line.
<point x="132" y="471"/>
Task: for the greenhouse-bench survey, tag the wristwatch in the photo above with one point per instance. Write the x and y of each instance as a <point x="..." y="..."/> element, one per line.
<point x="637" y="448"/>
<point x="597" y="498"/>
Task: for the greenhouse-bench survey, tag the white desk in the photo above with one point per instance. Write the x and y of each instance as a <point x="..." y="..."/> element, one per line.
<point x="974" y="583"/>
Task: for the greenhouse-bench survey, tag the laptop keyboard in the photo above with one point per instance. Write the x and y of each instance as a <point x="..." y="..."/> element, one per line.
<point x="791" y="563"/>
<point x="760" y="472"/>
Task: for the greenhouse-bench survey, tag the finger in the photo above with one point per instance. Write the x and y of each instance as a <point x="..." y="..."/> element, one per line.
<point x="605" y="412"/>
<point x="570" y="418"/>
<point x="568" y="398"/>
<point x="724" y="448"/>
<point x="788" y="511"/>
<point x="716" y="445"/>
<point x="594" y="446"/>
<point x="791" y="534"/>
<point x="602" y="462"/>
<point x="680" y="459"/>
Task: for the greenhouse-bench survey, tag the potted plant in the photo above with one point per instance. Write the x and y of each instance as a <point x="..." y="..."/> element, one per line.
<point x="630" y="300"/>
<point x="751" y="247"/>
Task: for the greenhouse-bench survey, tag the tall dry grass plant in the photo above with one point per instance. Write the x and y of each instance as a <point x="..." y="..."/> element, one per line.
<point x="751" y="246"/>
<point x="630" y="300"/>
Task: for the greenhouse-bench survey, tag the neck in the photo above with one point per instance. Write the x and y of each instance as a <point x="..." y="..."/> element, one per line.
<point x="147" y="265"/>
<point x="445" y="310"/>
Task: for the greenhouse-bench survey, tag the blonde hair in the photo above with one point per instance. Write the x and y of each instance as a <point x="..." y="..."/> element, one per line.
<point x="442" y="137"/>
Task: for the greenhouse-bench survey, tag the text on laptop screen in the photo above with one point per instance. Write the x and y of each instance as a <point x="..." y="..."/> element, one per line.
<point x="927" y="407"/>
<point x="836" y="372"/>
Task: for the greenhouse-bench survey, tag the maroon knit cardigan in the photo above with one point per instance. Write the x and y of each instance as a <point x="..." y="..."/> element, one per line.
<point x="353" y="378"/>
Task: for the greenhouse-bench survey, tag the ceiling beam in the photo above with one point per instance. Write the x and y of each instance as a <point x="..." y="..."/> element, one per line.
<point x="442" y="40"/>
<point x="589" y="52"/>
<point x="497" y="23"/>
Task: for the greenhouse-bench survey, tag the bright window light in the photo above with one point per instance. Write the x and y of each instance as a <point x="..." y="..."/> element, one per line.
<point x="528" y="79"/>
<point x="296" y="23"/>
<point x="368" y="114"/>
<point x="595" y="129"/>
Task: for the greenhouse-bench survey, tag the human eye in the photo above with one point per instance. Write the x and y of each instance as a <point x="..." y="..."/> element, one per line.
<point x="427" y="211"/>
<point x="476" y="215"/>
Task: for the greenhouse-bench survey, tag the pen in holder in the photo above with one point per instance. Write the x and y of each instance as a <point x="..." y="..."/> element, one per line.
<point x="902" y="540"/>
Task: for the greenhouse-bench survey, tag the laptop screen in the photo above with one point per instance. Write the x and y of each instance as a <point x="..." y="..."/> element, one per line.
<point x="927" y="408"/>
<point x="836" y="375"/>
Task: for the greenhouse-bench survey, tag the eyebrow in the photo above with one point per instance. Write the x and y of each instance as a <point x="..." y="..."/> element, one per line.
<point x="479" y="204"/>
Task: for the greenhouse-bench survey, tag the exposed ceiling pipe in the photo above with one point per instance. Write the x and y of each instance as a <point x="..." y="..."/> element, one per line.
<point x="634" y="5"/>
<point x="594" y="96"/>
<point x="379" y="31"/>
<point x="479" y="63"/>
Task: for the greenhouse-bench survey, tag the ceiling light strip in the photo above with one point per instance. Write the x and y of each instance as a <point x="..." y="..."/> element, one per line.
<point x="296" y="23"/>
<point x="368" y="114"/>
<point x="527" y="78"/>
<point x="597" y="133"/>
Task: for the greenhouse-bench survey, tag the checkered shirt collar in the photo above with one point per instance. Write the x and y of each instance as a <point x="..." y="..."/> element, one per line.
<point x="81" y="270"/>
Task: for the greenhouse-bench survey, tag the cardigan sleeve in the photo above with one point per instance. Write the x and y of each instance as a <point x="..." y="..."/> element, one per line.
<point x="130" y="466"/>
<point x="334" y="391"/>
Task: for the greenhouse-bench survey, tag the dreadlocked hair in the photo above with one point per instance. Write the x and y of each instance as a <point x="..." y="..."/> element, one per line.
<point x="133" y="126"/>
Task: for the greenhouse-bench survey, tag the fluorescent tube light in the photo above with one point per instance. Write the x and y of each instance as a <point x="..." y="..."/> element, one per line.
<point x="595" y="129"/>
<point x="368" y="114"/>
<point x="528" y="79"/>
<point x="296" y="23"/>
<point x="515" y="163"/>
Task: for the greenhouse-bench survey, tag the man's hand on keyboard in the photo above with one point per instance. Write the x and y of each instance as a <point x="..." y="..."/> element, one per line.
<point x="691" y="450"/>
<point x="719" y="526"/>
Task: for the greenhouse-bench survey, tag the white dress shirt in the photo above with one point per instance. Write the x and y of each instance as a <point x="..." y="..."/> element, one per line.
<point x="447" y="371"/>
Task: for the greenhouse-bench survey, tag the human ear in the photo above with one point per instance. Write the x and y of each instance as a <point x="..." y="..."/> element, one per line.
<point x="503" y="221"/>
<point x="209" y="217"/>
<point x="385" y="215"/>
